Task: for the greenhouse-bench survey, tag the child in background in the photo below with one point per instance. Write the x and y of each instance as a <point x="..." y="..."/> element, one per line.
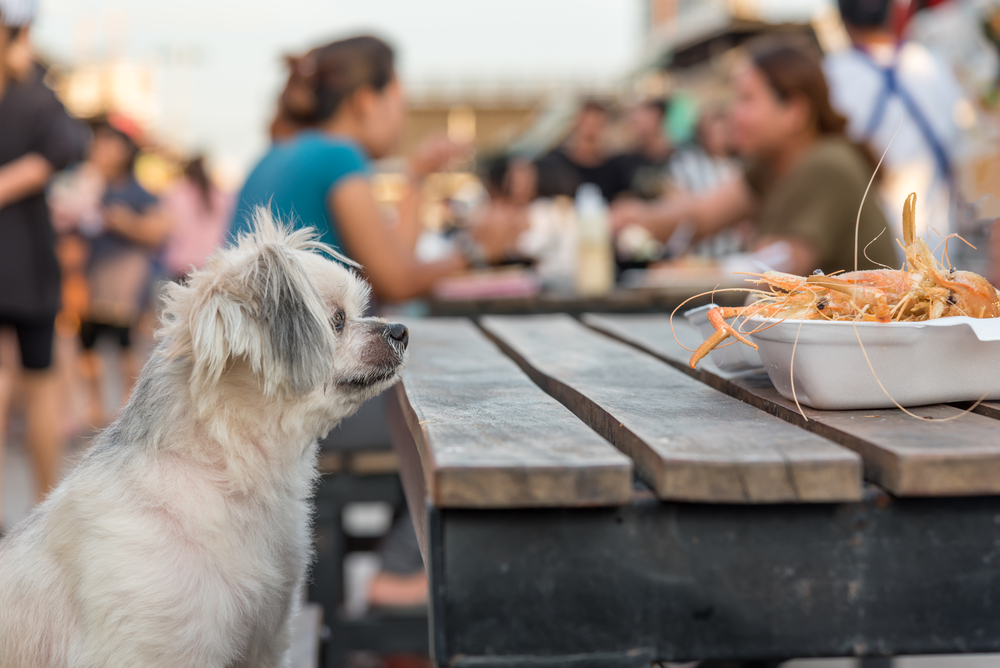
<point x="126" y="227"/>
<point x="200" y="214"/>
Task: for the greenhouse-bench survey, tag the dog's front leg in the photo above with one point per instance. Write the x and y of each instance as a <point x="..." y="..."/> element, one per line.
<point x="271" y="654"/>
<point x="269" y="647"/>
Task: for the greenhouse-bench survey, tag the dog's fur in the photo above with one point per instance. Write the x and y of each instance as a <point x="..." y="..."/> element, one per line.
<point x="181" y="537"/>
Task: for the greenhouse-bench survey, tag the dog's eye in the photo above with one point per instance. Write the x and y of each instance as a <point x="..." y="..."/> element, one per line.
<point x="338" y="319"/>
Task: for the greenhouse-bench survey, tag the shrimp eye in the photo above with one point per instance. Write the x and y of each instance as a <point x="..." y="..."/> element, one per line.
<point x="952" y="299"/>
<point x="339" y="317"/>
<point x="821" y="305"/>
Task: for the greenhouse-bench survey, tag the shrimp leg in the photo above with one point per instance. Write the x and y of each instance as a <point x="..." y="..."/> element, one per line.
<point x="723" y="331"/>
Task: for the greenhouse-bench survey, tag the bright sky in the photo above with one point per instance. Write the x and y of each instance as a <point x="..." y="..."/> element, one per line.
<point x="223" y="102"/>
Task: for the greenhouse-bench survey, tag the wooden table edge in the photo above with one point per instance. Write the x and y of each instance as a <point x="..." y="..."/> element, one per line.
<point x="442" y="493"/>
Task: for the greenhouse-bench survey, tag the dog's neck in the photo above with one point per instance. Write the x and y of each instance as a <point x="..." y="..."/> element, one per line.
<point x="249" y="442"/>
<point x="255" y="444"/>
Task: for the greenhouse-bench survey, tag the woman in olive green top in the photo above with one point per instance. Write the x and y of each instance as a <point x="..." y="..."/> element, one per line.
<point x="804" y="179"/>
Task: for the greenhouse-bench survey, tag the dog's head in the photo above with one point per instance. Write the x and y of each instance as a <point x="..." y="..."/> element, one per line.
<point x="273" y="311"/>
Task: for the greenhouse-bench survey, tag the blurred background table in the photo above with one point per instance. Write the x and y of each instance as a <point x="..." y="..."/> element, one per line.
<point x="638" y="291"/>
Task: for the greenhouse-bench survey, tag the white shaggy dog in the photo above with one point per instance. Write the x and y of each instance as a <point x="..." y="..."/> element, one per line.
<point x="181" y="537"/>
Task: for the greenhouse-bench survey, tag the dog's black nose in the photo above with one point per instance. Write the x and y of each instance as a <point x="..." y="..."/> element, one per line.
<point x="399" y="333"/>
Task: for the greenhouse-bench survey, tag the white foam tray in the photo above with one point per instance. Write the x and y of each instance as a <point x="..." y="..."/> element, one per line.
<point x="944" y="360"/>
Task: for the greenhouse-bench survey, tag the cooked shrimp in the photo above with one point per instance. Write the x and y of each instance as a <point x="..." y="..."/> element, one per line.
<point x="925" y="290"/>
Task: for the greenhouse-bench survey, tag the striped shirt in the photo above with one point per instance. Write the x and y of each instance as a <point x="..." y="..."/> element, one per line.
<point x="17" y="13"/>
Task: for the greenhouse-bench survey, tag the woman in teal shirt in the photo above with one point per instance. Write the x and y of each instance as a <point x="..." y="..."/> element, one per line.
<point x="342" y="106"/>
<point x="295" y="178"/>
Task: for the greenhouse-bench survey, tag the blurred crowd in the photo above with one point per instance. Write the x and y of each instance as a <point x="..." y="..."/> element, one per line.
<point x="774" y="178"/>
<point x="82" y="246"/>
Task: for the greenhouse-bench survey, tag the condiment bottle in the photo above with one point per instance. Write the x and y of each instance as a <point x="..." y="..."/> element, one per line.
<point x="595" y="267"/>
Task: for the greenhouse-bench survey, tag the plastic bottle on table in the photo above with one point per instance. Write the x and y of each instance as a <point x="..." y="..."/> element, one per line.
<point x="595" y="267"/>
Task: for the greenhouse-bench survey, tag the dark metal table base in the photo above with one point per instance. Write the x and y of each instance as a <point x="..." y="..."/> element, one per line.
<point x="683" y="581"/>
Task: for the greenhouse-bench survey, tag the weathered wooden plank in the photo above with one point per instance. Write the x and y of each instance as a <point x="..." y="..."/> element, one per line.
<point x="689" y="442"/>
<point x="908" y="457"/>
<point x="490" y="438"/>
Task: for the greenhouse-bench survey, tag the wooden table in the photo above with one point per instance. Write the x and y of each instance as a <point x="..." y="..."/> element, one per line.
<point x="584" y="499"/>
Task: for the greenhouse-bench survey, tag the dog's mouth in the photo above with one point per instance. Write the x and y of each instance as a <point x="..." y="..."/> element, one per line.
<point x="369" y="379"/>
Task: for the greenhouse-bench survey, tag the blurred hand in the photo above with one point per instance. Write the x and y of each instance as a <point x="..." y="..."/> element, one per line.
<point x="497" y="228"/>
<point x="435" y="153"/>
<point x="119" y="218"/>
<point x="627" y="212"/>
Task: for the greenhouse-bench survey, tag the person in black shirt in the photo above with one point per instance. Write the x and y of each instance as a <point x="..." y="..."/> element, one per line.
<point x="582" y="159"/>
<point x="648" y="120"/>
<point x="645" y="167"/>
<point x="37" y="137"/>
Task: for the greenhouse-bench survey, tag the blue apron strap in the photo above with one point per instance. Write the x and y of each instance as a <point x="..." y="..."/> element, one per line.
<point x="881" y="103"/>
<point x="890" y="87"/>
<point x="940" y="155"/>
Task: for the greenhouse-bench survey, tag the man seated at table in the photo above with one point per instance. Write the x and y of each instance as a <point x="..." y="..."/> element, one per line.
<point x="582" y="158"/>
<point x="646" y="165"/>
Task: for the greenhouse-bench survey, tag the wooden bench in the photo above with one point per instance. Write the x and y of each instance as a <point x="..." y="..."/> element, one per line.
<point x="583" y="498"/>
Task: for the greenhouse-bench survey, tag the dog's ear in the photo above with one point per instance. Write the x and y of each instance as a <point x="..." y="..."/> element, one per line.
<point x="297" y="334"/>
<point x="271" y="315"/>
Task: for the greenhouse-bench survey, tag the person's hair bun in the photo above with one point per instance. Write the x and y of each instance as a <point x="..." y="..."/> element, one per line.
<point x="320" y="81"/>
<point x="298" y="100"/>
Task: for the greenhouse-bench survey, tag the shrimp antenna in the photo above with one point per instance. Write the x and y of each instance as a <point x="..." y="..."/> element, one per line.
<point x="857" y="222"/>
<point x="865" y="251"/>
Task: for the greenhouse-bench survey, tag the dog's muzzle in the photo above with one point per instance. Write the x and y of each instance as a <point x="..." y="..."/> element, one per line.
<point x="383" y="361"/>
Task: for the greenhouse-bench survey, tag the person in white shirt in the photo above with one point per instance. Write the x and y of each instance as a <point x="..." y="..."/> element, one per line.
<point x="886" y="89"/>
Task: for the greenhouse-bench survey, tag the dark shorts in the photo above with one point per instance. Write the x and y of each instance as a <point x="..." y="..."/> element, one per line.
<point x="34" y="338"/>
<point x="89" y="331"/>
